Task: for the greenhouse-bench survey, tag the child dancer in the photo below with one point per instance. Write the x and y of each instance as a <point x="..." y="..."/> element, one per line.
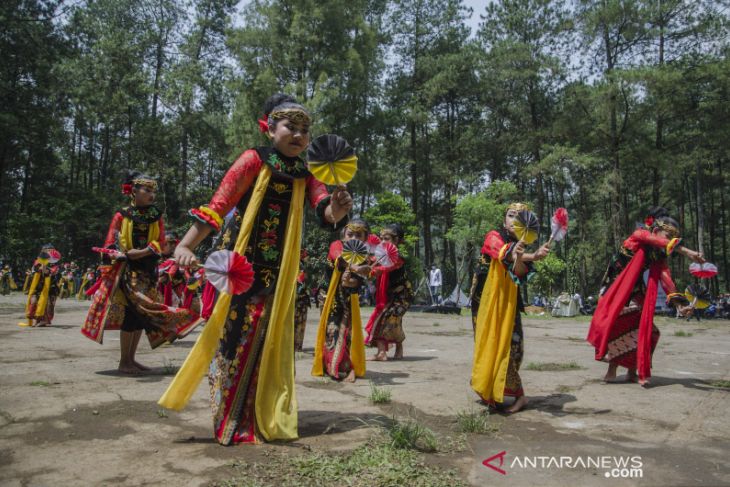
<point x="87" y="281"/>
<point x="43" y="289"/>
<point x="250" y="337"/>
<point x="622" y="329"/>
<point x="127" y="297"/>
<point x="7" y="283"/>
<point x="393" y="298"/>
<point x="340" y="351"/>
<point x="498" y="337"/>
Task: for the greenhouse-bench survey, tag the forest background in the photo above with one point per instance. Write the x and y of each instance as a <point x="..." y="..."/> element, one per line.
<point x="606" y="107"/>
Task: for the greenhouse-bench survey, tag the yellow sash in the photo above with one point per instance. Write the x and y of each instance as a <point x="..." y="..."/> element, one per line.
<point x="357" y="342"/>
<point x="493" y="335"/>
<point x="125" y="235"/>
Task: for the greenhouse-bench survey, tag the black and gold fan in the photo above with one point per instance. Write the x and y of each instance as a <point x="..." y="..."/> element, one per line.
<point x="332" y="160"/>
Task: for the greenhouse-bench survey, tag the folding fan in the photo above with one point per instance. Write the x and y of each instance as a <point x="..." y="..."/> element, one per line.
<point x="373" y="241"/>
<point x="526" y="226"/>
<point x="332" y="160"/>
<point x="698" y="296"/>
<point x="703" y="271"/>
<point x="229" y="272"/>
<point x="354" y="251"/>
<point x="558" y="225"/>
<point x="386" y="254"/>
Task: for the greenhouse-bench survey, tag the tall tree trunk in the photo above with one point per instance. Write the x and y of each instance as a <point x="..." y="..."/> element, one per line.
<point x="414" y="179"/>
<point x="158" y="71"/>
<point x="427" y="203"/>
<point x="26" y="189"/>
<point x="659" y="136"/>
<point x="700" y="212"/>
<point x="615" y="185"/>
<point x="723" y="219"/>
<point x="184" y="169"/>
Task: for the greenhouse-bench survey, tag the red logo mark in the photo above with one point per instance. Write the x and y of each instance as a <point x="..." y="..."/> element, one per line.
<point x="488" y="462"/>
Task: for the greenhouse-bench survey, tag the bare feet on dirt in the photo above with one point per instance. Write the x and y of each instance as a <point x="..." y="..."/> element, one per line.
<point x="140" y="366"/>
<point x="129" y="369"/>
<point x="518" y="406"/>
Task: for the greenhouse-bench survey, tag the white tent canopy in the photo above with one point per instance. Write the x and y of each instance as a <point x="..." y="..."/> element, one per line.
<point x="458" y="297"/>
<point x="565" y="305"/>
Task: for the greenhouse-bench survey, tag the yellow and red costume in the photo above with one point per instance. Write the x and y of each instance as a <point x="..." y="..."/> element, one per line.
<point x="498" y="335"/>
<point x="247" y="345"/>
<point x="340" y="346"/>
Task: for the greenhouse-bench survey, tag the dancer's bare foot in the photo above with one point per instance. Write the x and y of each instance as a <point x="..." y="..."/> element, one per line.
<point x="519" y="405"/>
<point x="378" y="357"/>
<point x="140" y="366"/>
<point x="128" y="369"/>
<point x="644" y="383"/>
<point x="350" y="377"/>
<point x="631" y="376"/>
<point x="610" y="376"/>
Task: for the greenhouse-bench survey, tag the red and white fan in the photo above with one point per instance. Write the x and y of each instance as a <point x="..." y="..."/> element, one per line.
<point x="229" y="272"/>
<point x="703" y="271"/>
<point x="373" y="241"/>
<point x="53" y="256"/>
<point x="386" y="254"/>
<point x="558" y="225"/>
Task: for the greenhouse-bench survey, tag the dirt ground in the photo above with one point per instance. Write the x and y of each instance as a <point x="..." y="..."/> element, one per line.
<point x="67" y="417"/>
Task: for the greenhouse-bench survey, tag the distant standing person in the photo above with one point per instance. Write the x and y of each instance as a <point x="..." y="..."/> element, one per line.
<point x="434" y="282"/>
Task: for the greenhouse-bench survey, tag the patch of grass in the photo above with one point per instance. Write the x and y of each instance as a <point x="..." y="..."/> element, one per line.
<point x="552" y="366"/>
<point x="575" y="339"/>
<point x="40" y="383"/>
<point x="379" y="395"/>
<point x="725" y="384"/>
<point x="411" y="435"/>
<point x="682" y="333"/>
<point x="564" y="389"/>
<point x="169" y="367"/>
<point x="473" y="421"/>
<point x="161" y="413"/>
<point x="374" y="463"/>
<point x="437" y="324"/>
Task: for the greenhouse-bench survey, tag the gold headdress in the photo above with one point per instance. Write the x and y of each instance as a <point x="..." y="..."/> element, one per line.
<point x="143" y="181"/>
<point x="358" y="227"/>
<point x="295" y="113"/>
<point x="518" y="206"/>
